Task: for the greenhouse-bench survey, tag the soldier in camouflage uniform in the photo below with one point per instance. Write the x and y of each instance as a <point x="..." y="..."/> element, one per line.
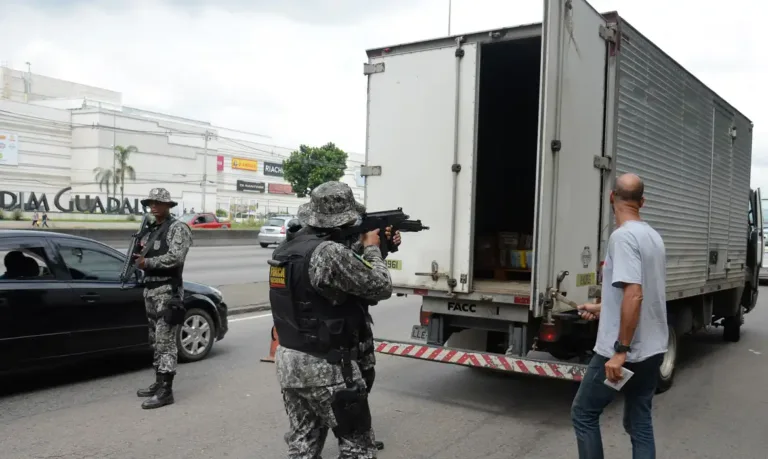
<point x="317" y="283"/>
<point x="163" y="265"/>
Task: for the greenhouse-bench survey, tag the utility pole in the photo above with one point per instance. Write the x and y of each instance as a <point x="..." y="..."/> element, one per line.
<point x="205" y="168"/>
<point x="449" y="18"/>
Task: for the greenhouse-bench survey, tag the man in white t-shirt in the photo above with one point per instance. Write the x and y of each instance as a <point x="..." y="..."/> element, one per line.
<point x="632" y="332"/>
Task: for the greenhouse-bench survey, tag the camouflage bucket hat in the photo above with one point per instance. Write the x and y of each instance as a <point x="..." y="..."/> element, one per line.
<point x="330" y="205"/>
<point x="159" y="195"/>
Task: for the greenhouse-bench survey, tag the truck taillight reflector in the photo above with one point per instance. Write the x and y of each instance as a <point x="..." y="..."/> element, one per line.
<point x="420" y="291"/>
<point x="548" y="333"/>
<point x="424" y="318"/>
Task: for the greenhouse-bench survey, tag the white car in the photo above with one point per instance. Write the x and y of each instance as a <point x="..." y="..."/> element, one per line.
<point x="273" y="231"/>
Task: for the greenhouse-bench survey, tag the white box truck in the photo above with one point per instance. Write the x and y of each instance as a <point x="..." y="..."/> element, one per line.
<point x="507" y="143"/>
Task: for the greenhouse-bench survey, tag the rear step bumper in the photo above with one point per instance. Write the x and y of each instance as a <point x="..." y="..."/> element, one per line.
<point x="500" y="362"/>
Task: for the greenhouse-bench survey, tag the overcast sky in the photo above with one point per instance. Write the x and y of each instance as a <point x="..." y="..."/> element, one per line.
<point x="292" y="69"/>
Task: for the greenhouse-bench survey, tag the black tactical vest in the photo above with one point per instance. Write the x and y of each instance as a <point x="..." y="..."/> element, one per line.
<point x="161" y="242"/>
<point x="305" y="320"/>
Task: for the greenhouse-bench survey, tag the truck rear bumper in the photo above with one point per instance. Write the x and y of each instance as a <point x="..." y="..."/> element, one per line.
<point x="500" y="362"/>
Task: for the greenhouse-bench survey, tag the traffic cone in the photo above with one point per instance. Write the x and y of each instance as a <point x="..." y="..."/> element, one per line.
<point x="272" y="347"/>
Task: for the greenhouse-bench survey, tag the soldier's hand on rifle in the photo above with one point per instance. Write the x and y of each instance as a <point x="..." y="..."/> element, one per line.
<point x="371" y="238"/>
<point x="141" y="262"/>
<point x="395" y="240"/>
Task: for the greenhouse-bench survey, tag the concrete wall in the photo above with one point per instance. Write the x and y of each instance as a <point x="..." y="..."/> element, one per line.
<point x="43" y="87"/>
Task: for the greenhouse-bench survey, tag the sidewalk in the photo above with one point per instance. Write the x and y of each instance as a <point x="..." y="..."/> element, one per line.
<point x="244" y="298"/>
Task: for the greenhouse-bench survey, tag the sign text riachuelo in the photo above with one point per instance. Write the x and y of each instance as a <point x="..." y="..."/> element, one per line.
<point x="32" y="201"/>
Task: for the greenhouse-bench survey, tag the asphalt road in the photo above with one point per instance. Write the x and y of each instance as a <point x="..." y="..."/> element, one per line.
<point x="229" y="405"/>
<point x="227" y="265"/>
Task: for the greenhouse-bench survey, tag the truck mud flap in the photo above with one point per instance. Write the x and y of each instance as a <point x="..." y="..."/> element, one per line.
<point x="499" y="362"/>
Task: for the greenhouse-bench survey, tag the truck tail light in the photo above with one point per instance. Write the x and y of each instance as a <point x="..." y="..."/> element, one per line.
<point x="424" y="318"/>
<point x="549" y="333"/>
<point x="282" y="230"/>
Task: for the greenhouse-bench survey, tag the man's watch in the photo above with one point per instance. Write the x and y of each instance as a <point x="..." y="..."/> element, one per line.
<point x="620" y="348"/>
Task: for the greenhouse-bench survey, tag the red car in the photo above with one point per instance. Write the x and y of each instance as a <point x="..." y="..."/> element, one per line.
<point x="205" y="221"/>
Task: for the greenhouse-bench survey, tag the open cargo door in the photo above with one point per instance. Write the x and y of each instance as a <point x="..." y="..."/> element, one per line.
<point x="571" y="162"/>
<point x="755" y="248"/>
<point x="420" y="156"/>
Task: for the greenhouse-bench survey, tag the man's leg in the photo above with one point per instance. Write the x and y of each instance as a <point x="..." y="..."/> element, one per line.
<point x="369" y="376"/>
<point x="591" y="399"/>
<point x="351" y="446"/>
<point x="151" y="309"/>
<point x="165" y="349"/>
<point x="308" y="433"/>
<point x="638" y="401"/>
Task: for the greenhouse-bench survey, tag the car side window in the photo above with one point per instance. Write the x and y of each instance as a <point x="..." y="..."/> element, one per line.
<point x="24" y="263"/>
<point x="209" y="218"/>
<point x="89" y="264"/>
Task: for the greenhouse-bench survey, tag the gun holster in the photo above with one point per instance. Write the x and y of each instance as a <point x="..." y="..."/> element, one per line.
<point x="175" y="311"/>
<point x="350" y="404"/>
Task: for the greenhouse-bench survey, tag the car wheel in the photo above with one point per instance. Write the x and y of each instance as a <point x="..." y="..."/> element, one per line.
<point x="196" y="336"/>
<point x="668" y="364"/>
<point x="263" y="245"/>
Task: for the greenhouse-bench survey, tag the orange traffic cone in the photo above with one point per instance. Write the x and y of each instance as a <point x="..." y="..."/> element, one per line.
<point x="272" y="347"/>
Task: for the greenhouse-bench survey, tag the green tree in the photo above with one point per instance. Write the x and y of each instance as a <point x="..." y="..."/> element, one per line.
<point x="123" y="170"/>
<point x="308" y="167"/>
<point x="105" y="177"/>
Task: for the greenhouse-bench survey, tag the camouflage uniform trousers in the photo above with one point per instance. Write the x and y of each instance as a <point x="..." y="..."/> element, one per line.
<point x="367" y="362"/>
<point x="162" y="336"/>
<point x="311" y="416"/>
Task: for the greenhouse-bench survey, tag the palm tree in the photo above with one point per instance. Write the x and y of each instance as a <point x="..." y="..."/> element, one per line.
<point x="105" y="177"/>
<point x="122" y="169"/>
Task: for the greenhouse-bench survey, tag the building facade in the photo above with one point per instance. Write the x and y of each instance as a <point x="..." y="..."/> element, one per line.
<point x="57" y="140"/>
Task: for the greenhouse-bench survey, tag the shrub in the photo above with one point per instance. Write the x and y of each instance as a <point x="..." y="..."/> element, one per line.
<point x="17" y="214"/>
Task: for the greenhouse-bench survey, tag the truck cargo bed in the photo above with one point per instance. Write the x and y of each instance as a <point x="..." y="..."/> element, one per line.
<point x="519" y="287"/>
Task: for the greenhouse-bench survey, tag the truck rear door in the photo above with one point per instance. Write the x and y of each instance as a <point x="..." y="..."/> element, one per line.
<point x="571" y="114"/>
<point x="420" y="156"/>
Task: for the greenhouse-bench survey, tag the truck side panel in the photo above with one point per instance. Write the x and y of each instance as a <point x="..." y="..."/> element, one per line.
<point x="675" y="133"/>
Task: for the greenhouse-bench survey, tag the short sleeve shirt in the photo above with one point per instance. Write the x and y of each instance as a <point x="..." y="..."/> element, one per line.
<point x="636" y="255"/>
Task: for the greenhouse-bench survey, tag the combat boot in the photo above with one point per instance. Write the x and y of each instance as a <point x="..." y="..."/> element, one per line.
<point x="164" y="394"/>
<point x="379" y="445"/>
<point x="150" y="391"/>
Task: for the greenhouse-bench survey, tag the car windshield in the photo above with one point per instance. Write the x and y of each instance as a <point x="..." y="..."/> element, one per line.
<point x="187" y="218"/>
<point x="275" y="222"/>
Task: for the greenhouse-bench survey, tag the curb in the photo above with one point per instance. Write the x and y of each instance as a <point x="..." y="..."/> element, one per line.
<point x="235" y="311"/>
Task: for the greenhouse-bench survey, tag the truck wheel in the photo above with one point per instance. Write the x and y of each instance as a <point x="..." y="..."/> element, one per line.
<point x="732" y="327"/>
<point x="668" y="365"/>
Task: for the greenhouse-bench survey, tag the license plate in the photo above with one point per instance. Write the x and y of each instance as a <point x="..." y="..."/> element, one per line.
<point x="419" y="332"/>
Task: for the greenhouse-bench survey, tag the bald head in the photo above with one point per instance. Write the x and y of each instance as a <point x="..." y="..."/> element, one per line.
<point x="629" y="188"/>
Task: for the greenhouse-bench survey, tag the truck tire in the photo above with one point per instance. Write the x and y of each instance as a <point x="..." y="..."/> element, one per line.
<point x="669" y="363"/>
<point x="732" y="326"/>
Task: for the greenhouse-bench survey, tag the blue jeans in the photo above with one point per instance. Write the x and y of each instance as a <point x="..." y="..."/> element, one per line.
<point x="593" y="396"/>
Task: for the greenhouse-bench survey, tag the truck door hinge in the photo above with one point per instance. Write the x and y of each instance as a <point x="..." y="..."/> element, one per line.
<point x="369" y="69"/>
<point x="602" y="162"/>
<point x="555" y="146"/>
<point x="609" y="33"/>
<point x="370" y="171"/>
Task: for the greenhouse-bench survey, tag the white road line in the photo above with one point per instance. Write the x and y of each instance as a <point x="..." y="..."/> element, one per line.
<point x="251" y="317"/>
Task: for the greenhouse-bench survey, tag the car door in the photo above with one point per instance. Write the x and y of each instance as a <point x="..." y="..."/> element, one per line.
<point x="36" y="314"/>
<point x="112" y="315"/>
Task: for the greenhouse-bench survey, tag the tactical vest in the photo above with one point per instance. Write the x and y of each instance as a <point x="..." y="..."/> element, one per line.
<point x="160" y="247"/>
<point x="305" y="320"/>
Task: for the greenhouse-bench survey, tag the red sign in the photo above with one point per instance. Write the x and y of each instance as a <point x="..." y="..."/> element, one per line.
<point x="219" y="163"/>
<point x="280" y="188"/>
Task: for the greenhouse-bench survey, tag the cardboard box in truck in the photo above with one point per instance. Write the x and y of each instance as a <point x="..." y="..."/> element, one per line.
<point x="522" y="131"/>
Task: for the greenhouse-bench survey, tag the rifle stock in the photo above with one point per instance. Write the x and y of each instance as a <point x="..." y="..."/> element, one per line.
<point x="129" y="266"/>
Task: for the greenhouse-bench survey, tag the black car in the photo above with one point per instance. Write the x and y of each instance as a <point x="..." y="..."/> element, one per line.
<point x="61" y="297"/>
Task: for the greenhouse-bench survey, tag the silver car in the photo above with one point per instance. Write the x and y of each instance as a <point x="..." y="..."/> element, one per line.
<point x="273" y="231"/>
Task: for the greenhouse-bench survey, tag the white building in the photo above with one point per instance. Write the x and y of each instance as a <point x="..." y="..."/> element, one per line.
<point x="57" y="134"/>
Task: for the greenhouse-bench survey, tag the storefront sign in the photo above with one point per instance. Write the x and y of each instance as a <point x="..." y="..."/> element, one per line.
<point x="9" y="149"/>
<point x="273" y="169"/>
<point x="245" y="164"/>
<point x="11" y="201"/>
<point x="280" y="188"/>
<point x="250" y="187"/>
<point x="219" y="163"/>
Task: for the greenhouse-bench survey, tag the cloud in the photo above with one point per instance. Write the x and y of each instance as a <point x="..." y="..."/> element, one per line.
<point x="292" y="69"/>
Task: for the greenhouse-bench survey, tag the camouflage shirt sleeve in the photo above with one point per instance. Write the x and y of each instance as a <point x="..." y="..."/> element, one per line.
<point x="179" y="241"/>
<point x="336" y="272"/>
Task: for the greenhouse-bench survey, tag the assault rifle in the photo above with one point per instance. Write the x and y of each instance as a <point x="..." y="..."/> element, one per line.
<point x="129" y="266"/>
<point x="381" y="221"/>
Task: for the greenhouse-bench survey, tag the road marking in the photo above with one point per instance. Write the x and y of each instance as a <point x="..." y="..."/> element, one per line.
<point x="755" y="352"/>
<point x="251" y="317"/>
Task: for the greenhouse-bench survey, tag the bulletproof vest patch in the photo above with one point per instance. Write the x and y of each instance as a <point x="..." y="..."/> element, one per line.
<point x="277" y="277"/>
